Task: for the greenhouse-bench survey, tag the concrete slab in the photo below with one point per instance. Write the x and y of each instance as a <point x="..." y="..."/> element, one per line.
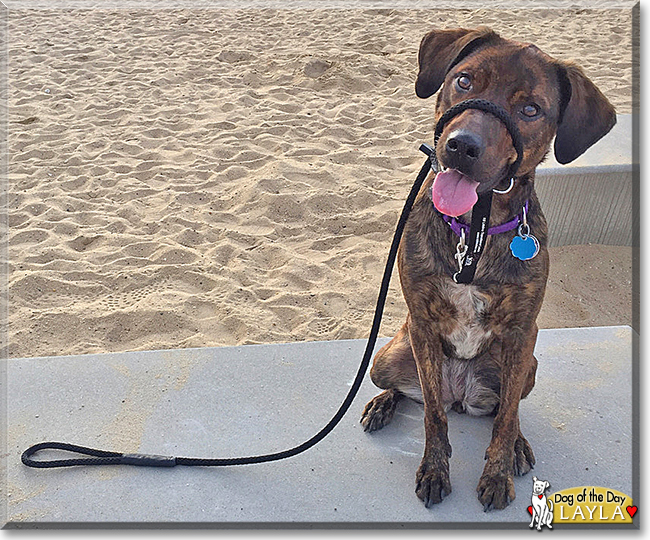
<point x="590" y="200"/>
<point x="233" y="401"/>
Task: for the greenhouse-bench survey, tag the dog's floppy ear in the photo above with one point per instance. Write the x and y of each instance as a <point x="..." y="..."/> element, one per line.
<point x="587" y="115"/>
<point x="440" y="50"/>
<point x="548" y="486"/>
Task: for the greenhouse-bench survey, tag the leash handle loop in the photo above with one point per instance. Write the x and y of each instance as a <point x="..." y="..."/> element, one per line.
<point x="100" y="457"/>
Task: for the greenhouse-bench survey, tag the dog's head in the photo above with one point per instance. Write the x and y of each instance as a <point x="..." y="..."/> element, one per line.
<point x="540" y="486"/>
<point x="545" y="97"/>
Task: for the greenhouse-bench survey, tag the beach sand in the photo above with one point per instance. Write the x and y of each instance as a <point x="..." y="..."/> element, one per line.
<point x="192" y="178"/>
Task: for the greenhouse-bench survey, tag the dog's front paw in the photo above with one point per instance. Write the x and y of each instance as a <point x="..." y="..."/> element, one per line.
<point x="496" y="490"/>
<point x="432" y="481"/>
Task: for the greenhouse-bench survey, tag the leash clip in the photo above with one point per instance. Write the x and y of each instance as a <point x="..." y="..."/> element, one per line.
<point x="461" y="252"/>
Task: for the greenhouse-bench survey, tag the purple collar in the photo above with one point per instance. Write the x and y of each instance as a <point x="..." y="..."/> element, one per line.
<point x="457" y="226"/>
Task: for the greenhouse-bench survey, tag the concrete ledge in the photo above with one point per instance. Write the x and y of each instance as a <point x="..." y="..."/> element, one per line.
<point x="590" y="199"/>
<point x="235" y="401"/>
<point x="613" y="150"/>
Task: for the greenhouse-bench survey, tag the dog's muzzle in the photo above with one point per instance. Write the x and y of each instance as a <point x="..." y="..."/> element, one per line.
<point x="493" y="109"/>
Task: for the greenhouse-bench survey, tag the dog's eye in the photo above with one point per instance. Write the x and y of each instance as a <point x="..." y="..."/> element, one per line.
<point x="464" y="82"/>
<point x="531" y="110"/>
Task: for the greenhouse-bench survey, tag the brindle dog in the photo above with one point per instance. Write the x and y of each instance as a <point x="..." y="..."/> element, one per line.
<point x="470" y="347"/>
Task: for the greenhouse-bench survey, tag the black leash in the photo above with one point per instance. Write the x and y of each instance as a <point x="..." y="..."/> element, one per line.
<point x="103" y="457"/>
<point x="478" y="236"/>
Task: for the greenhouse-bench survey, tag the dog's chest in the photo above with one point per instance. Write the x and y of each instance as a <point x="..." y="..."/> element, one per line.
<point x="469" y="334"/>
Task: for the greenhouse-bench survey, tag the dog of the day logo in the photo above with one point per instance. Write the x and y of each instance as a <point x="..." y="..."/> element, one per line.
<point x="541" y="508"/>
<point x="585" y="504"/>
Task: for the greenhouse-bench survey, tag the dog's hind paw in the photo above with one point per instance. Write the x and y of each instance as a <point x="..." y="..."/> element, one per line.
<point x="379" y="410"/>
<point x="432" y="482"/>
<point x="524" y="457"/>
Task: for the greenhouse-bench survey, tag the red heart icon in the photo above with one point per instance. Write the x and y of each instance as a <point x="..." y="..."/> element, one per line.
<point x="540" y="496"/>
<point x="631" y="510"/>
<point x="530" y="510"/>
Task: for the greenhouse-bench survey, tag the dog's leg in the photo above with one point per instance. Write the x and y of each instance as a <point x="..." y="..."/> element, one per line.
<point x="524" y="457"/>
<point x="394" y="369"/>
<point x="432" y="479"/>
<point x="530" y="381"/>
<point x="496" y="487"/>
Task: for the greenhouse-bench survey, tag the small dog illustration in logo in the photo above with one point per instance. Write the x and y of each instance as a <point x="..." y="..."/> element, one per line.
<point x="540" y="509"/>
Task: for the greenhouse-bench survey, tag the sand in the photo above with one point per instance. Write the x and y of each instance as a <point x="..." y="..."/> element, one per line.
<point x="191" y="178"/>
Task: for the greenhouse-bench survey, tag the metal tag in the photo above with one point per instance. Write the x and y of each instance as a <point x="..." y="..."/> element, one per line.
<point x="524" y="247"/>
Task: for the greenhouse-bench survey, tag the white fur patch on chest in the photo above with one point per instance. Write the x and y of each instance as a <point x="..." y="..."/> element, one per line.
<point x="469" y="335"/>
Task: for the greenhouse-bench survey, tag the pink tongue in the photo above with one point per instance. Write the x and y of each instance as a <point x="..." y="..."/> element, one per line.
<point x="454" y="193"/>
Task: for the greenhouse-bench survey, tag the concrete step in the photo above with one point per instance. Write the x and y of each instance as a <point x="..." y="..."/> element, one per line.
<point x="234" y="401"/>
<point x="591" y="200"/>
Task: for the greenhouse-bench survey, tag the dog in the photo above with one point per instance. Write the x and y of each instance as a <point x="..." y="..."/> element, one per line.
<point x="469" y="347"/>
<point x="541" y="511"/>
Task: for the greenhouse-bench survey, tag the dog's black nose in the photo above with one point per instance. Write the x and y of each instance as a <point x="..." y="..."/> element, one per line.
<point x="464" y="147"/>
